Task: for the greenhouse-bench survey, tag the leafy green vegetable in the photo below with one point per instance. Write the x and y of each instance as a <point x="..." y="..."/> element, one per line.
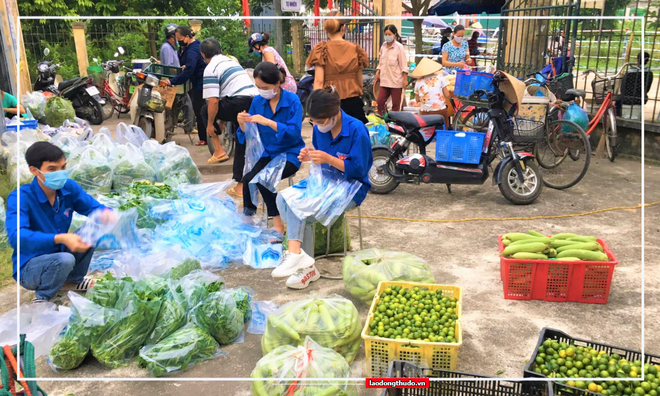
<point x="179" y="168"/>
<point x="242" y="299"/>
<point x="92" y="172"/>
<point x="107" y="290"/>
<point x="153" y="190"/>
<point x="183" y="348"/>
<point x="58" y="110"/>
<point x="127" y="333"/>
<point x="336" y="237"/>
<point x="218" y="315"/>
<point x="184" y="268"/>
<point x="172" y="315"/>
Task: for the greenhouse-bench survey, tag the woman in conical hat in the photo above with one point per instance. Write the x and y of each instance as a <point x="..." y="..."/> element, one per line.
<point x="431" y="93"/>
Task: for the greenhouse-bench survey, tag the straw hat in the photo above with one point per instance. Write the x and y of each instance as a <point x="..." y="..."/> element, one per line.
<point x="514" y="90"/>
<point x="425" y="68"/>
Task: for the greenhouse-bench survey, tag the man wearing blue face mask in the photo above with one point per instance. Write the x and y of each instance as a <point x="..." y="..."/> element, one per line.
<point x="50" y="258"/>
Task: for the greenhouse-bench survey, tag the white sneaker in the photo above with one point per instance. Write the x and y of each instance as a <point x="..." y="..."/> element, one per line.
<point x="292" y="263"/>
<point x="303" y="277"/>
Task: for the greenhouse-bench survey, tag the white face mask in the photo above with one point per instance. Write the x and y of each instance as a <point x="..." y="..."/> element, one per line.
<point x="327" y="127"/>
<point x="267" y="93"/>
<point x="389" y="39"/>
<point x="458" y="39"/>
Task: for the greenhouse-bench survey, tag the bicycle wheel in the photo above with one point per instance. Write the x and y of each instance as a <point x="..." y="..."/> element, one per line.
<point x="572" y="155"/>
<point x="473" y="119"/>
<point x="609" y="129"/>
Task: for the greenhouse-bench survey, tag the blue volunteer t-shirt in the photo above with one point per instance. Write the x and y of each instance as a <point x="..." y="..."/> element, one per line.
<point x="353" y="146"/>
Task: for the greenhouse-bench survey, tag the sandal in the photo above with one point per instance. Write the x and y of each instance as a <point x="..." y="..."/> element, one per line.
<point x="200" y="143"/>
<point x="232" y="191"/>
<point x="83" y="286"/>
<point x="38" y="301"/>
<point x="216" y="160"/>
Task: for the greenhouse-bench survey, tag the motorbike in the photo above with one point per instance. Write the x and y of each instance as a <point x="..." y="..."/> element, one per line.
<point x="80" y="91"/>
<point x="305" y="87"/>
<point x="517" y="175"/>
<point x="150" y="105"/>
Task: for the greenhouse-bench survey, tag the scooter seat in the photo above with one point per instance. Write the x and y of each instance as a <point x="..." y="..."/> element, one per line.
<point x="66" y="84"/>
<point x="416" y="120"/>
<point x="571" y="94"/>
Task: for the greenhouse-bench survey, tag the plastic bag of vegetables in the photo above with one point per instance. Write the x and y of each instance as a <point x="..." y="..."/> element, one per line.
<point x="243" y="298"/>
<point x="129" y="330"/>
<point x="199" y="284"/>
<point x="36" y="103"/>
<point x="219" y="316"/>
<point x="309" y="360"/>
<point x="72" y="346"/>
<point x="154" y="155"/>
<point x="92" y="172"/>
<point x="331" y="321"/>
<point x="20" y="166"/>
<point x="107" y="290"/>
<point x="364" y="269"/>
<point x="103" y="143"/>
<point x="128" y="165"/>
<point x="173" y="314"/>
<point x="66" y="142"/>
<point x="130" y="134"/>
<point x="179" y="167"/>
<point x="58" y="110"/>
<point x="183" y="348"/>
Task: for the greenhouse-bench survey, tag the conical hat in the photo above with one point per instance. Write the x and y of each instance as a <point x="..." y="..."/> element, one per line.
<point x="513" y="89"/>
<point x="425" y="67"/>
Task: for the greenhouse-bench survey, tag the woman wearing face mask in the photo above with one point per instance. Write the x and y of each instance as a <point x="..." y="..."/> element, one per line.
<point x="341" y="142"/>
<point x="259" y="43"/>
<point x="392" y="71"/>
<point x="455" y="54"/>
<point x="339" y="63"/>
<point x="278" y="116"/>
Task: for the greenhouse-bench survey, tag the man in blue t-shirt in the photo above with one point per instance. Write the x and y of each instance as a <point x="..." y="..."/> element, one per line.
<point x="50" y="258"/>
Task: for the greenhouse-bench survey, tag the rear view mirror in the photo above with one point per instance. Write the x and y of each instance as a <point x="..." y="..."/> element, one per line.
<point x="46" y="51"/>
<point x="121" y="50"/>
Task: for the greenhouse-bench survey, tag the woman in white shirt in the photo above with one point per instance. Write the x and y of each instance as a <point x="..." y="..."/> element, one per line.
<point x="431" y="93"/>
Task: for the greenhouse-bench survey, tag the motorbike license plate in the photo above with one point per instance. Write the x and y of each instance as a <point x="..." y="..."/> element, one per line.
<point x="92" y="91"/>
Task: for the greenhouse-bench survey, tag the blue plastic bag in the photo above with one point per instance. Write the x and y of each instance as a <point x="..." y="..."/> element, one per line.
<point x="260" y="312"/>
<point x="577" y="115"/>
<point x="254" y="150"/>
<point x="269" y="177"/>
<point x="262" y="255"/>
<point x="121" y="234"/>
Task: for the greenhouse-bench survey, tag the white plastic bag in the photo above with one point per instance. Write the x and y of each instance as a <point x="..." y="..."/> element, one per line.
<point x="66" y="142"/>
<point x="42" y="323"/>
<point x="260" y="312"/>
<point x="179" y="168"/>
<point x="130" y="134"/>
<point x="103" y="142"/>
<point x="35" y="103"/>
<point x="128" y="165"/>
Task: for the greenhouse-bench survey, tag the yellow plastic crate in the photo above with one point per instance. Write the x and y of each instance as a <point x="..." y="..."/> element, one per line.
<point x="438" y="355"/>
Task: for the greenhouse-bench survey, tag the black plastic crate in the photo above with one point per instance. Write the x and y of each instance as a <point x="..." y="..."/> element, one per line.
<point x="403" y="369"/>
<point x="560" y="336"/>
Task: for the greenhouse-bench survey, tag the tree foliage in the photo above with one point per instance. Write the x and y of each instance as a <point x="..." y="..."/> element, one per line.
<point x="418" y="8"/>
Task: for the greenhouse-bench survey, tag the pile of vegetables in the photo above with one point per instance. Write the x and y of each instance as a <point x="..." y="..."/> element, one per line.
<point x="564" y="247"/>
<point x="331" y="321"/>
<point x="128" y="165"/>
<point x="58" y="110"/>
<point x="172" y="316"/>
<point x="178" y="167"/>
<point x="363" y="270"/>
<point x="142" y="195"/>
<point x="219" y="316"/>
<point x="308" y="360"/>
<point x="92" y="172"/>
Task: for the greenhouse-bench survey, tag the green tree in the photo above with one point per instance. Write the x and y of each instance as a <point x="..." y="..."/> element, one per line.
<point x="418" y="8"/>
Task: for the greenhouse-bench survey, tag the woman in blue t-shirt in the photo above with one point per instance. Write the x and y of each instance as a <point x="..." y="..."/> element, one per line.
<point x="341" y="142"/>
<point x="278" y="115"/>
<point x="455" y="53"/>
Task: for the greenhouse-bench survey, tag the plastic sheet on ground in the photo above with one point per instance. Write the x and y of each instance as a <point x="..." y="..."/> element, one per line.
<point x="260" y="312"/>
<point x="128" y="165"/>
<point x="92" y="171"/>
<point x="42" y="323"/>
<point x="324" y="195"/>
<point x="364" y="269"/>
<point x="308" y="360"/>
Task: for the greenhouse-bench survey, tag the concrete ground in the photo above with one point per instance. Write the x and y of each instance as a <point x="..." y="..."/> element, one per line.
<point x="498" y="335"/>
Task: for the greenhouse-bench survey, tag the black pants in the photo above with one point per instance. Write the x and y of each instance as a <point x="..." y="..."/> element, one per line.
<point x="354" y="108"/>
<point x="249" y="208"/>
<point x="228" y="110"/>
<point x="197" y="104"/>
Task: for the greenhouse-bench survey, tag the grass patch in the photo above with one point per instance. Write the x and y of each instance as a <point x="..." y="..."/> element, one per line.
<point x="5" y="267"/>
<point x="5" y="188"/>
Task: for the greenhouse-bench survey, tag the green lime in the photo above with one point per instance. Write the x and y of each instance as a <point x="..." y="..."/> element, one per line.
<point x="640" y="391"/>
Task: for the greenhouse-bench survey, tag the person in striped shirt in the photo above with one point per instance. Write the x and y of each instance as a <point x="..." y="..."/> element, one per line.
<point x="229" y="91"/>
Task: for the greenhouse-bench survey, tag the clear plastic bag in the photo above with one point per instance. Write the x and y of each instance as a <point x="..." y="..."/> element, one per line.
<point x="66" y="142"/>
<point x="183" y="348"/>
<point x="79" y="128"/>
<point x="260" y="312"/>
<point x="179" y="168"/>
<point x="324" y="195"/>
<point x="92" y="171"/>
<point x="103" y="143"/>
<point x="262" y="255"/>
<point x="19" y="170"/>
<point x="576" y="114"/>
<point x="364" y="269"/>
<point x="197" y="285"/>
<point x="205" y="190"/>
<point x="243" y="298"/>
<point x="128" y="165"/>
<point x="41" y="323"/>
<point x="28" y="137"/>
<point x="307" y="360"/>
<point x="107" y="290"/>
<point x="130" y="134"/>
<point x="219" y="316"/>
<point x="35" y="102"/>
<point x="155" y="156"/>
<point x="58" y="110"/>
<point x="333" y="321"/>
<point x="269" y="177"/>
<point x="173" y="313"/>
<point x="254" y="149"/>
<point x="121" y="234"/>
<point x="103" y="260"/>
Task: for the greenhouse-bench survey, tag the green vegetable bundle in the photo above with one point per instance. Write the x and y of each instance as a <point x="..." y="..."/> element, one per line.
<point x="172" y="316"/>
<point x="107" y="290"/>
<point x="331" y="321"/>
<point x="153" y="190"/>
<point x="242" y="298"/>
<point x="309" y="360"/>
<point x="128" y="165"/>
<point x="179" y="168"/>
<point x="72" y="346"/>
<point x="184" y="268"/>
<point x="132" y="325"/>
<point x="58" y="110"/>
<point x="92" y="172"/>
<point x="198" y="285"/>
<point x="154" y="155"/>
<point x="180" y="350"/>
<point x="336" y="237"/>
<point x="218" y="315"/>
<point x="363" y="270"/>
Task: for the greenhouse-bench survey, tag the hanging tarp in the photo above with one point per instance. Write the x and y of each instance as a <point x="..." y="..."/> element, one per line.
<point x="449" y="7"/>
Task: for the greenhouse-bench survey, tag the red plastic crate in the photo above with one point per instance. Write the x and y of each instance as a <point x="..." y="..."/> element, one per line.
<point x="556" y="280"/>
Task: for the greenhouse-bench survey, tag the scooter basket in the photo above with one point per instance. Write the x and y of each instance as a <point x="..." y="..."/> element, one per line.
<point x="144" y="96"/>
<point x="527" y="131"/>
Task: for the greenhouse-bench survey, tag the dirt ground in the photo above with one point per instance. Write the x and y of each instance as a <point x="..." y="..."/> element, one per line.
<point x="498" y="334"/>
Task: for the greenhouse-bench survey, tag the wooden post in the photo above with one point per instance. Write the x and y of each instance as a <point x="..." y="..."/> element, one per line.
<point x="26" y="83"/>
<point x="8" y="14"/>
<point x="81" y="47"/>
<point x="298" y="46"/>
<point x="380" y="9"/>
<point x="195" y="25"/>
<point x="279" y="33"/>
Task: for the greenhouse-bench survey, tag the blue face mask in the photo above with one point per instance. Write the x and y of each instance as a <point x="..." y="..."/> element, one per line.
<point x="55" y="180"/>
